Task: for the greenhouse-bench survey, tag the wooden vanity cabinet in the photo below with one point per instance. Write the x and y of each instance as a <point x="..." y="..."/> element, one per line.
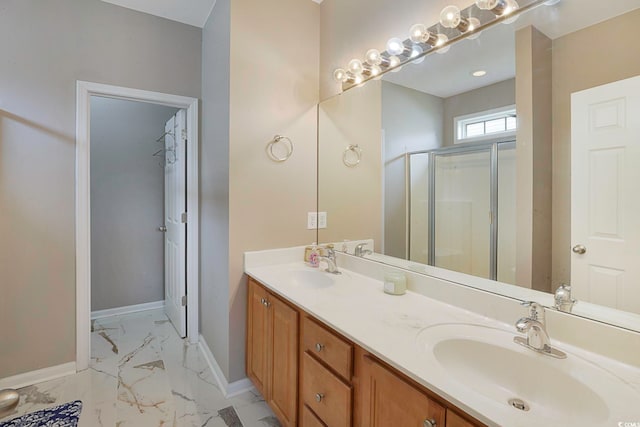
<point x="272" y="351"/>
<point x="311" y="376"/>
<point x="385" y="399"/>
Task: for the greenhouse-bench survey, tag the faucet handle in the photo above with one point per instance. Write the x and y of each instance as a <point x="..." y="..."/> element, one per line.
<point x="536" y="311"/>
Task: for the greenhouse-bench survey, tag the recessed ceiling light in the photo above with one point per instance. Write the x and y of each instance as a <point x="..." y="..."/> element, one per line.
<point x="479" y="73"/>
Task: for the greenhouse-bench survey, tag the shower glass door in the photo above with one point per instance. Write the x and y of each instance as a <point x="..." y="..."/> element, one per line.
<point x="462" y="212"/>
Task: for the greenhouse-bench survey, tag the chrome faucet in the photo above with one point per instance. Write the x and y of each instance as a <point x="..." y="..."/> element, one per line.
<point x="360" y="251"/>
<point x="535" y="328"/>
<point x="330" y="259"/>
<point x="563" y="300"/>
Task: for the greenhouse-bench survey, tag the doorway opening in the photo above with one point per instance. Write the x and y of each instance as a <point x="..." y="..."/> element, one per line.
<point x="177" y="154"/>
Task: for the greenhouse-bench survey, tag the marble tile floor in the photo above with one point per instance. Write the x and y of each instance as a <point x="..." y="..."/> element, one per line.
<point x="143" y="375"/>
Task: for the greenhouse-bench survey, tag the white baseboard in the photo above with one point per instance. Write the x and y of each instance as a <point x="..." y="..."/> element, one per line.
<point x="38" y="376"/>
<point x="228" y="389"/>
<point x="98" y="314"/>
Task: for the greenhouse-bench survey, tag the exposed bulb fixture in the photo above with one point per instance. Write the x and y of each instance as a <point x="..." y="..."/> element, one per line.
<point x="357" y="79"/>
<point x="487" y="4"/>
<point x="394" y="62"/>
<point x="355" y="66"/>
<point x="450" y="18"/>
<point x="340" y="75"/>
<point x="417" y="33"/>
<point x="497" y="7"/>
<point x="512" y="6"/>
<point x="416" y="51"/>
<point x="375" y="70"/>
<point x="442" y="39"/>
<point x="395" y="46"/>
<point x="473" y="24"/>
<point x="373" y="57"/>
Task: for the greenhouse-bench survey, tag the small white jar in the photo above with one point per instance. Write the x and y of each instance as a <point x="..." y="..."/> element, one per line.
<point x="395" y="283"/>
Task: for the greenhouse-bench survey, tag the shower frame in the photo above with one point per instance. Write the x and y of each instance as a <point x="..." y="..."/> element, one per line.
<point x="493" y="148"/>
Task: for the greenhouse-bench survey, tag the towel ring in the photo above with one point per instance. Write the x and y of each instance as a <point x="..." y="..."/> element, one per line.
<point x="277" y="139"/>
<point x="352" y="160"/>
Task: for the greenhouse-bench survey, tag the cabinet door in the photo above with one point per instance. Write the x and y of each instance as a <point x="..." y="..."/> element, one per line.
<point x="257" y="336"/>
<point x="387" y="400"/>
<point x="283" y="363"/>
<point x="455" y="420"/>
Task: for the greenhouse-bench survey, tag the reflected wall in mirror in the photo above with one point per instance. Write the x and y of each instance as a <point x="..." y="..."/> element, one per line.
<point x="500" y="156"/>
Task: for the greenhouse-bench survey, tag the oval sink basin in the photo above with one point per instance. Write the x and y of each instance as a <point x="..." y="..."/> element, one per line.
<point x="311" y="278"/>
<point x="526" y="385"/>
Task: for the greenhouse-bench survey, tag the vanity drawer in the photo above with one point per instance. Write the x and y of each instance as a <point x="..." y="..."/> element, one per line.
<point x="326" y="346"/>
<point x="309" y="419"/>
<point x="325" y="393"/>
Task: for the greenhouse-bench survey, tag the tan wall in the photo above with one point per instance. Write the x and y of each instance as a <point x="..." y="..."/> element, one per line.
<point x="533" y="164"/>
<point x="594" y="56"/>
<point x="273" y="90"/>
<point x="351" y="196"/>
<point x="46" y="47"/>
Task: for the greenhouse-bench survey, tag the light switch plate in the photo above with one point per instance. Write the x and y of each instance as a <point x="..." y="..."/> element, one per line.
<point x="312" y="220"/>
<point x="322" y="220"/>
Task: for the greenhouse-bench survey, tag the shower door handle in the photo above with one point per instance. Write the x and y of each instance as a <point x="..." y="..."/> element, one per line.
<point x="162" y="229"/>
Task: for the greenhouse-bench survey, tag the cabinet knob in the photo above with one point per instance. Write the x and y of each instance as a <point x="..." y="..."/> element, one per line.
<point x="319" y="397"/>
<point x="263" y="301"/>
<point x="429" y="423"/>
<point x="319" y="347"/>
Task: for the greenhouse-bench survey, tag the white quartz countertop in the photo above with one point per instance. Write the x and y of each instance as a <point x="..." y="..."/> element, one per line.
<point x="388" y="327"/>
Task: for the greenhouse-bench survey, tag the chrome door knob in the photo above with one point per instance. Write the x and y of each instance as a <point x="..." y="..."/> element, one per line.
<point x="579" y="249"/>
<point x="162" y="229"/>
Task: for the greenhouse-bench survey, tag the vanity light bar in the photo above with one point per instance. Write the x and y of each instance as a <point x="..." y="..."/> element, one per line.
<point x="454" y="25"/>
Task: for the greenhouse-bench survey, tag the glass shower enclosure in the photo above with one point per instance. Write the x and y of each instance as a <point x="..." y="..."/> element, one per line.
<point x="461" y="204"/>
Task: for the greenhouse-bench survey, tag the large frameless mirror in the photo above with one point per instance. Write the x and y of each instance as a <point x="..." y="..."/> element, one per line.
<point x="507" y="163"/>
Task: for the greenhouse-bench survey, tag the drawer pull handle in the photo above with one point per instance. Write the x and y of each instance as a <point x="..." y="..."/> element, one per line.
<point x="429" y="423"/>
<point x="319" y="347"/>
<point x="320" y="396"/>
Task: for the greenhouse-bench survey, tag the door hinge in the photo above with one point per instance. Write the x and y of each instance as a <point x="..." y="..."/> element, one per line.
<point x="183" y="218"/>
<point x="184" y="300"/>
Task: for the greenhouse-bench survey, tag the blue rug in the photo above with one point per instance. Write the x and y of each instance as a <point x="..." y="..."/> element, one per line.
<point x="66" y="415"/>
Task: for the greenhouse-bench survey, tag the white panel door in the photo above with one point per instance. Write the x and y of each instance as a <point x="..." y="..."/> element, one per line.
<point x="605" y="195"/>
<point x="175" y="249"/>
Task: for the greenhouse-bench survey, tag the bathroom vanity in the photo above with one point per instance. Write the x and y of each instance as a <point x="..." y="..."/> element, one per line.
<point x="335" y="350"/>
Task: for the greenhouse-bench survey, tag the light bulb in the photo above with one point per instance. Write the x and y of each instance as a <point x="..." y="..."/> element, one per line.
<point x="357" y="79"/>
<point x="355" y="66"/>
<point x="394" y="61"/>
<point x="442" y="39"/>
<point x="373" y="57"/>
<point x="395" y="46"/>
<point x="375" y="70"/>
<point x="415" y="52"/>
<point x="417" y="33"/>
<point x="512" y="6"/>
<point x="486" y="4"/>
<point x="474" y="23"/>
<point x="450" y="17"/>
<point x="340" y="75"/>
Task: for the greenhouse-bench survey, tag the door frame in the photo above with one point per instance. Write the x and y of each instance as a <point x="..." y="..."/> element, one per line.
<point x="84" y="91"/>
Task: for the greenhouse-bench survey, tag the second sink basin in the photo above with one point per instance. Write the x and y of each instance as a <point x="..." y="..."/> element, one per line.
<point x="535" y="387"/>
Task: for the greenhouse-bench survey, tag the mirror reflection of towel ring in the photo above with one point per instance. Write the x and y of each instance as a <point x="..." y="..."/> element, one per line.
<point x="288" y="146"/>
<point x="352" y="156"/>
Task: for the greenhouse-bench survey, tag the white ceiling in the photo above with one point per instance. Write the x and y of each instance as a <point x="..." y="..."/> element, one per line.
<point x="494" y="51"/>
<point x="192" y="12"/>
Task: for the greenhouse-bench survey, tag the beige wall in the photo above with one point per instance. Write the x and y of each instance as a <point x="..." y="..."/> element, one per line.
<point x="533" y="163"/>
<point x="597" y="55"/>
<point x="272" y="86"/>
<point x="497" y="95"/>
<point x="46" y="47"/>
<point x="351" y="196"/>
